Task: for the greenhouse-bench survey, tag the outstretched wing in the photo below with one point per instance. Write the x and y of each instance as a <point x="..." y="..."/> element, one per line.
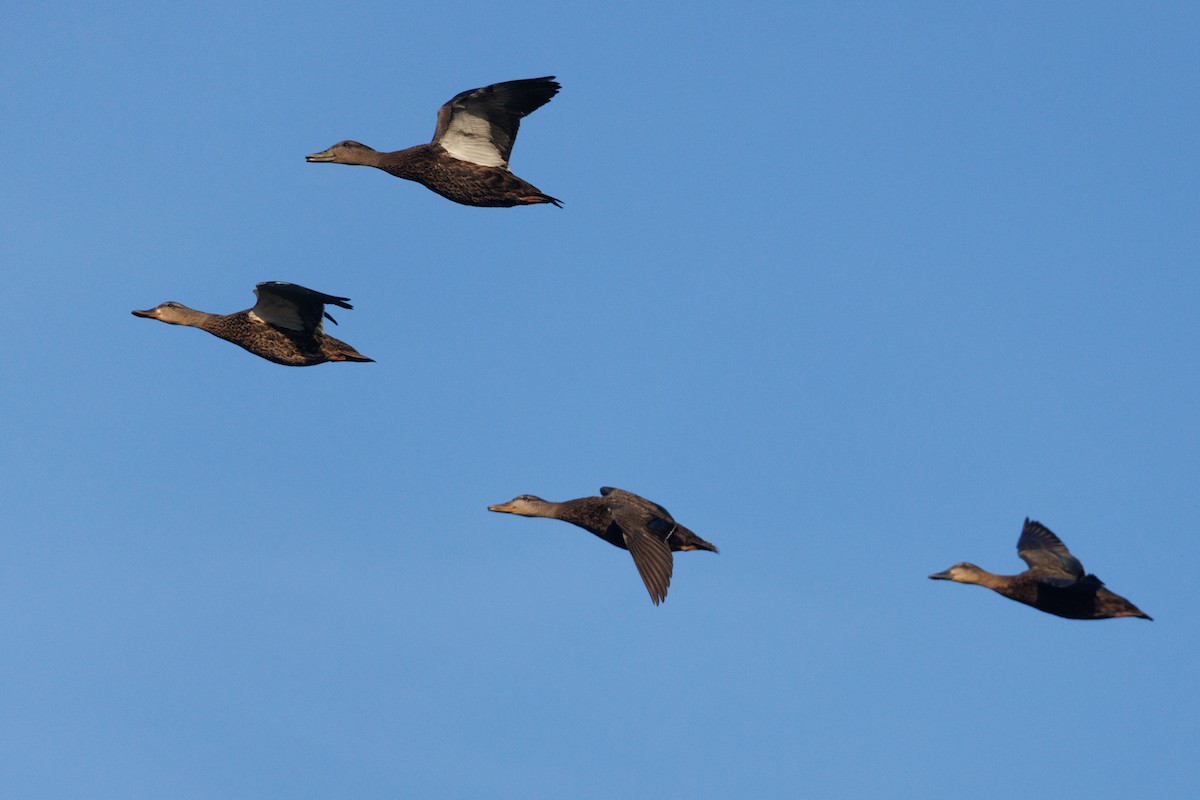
<point x="1045" y="552"/>
<point x="480" y="125"/>
<point x="645" y="534"/>
<point x="293" y="307"/>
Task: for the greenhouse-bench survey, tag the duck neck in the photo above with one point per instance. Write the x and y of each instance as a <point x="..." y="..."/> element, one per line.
<point x="992" y="580"/>
<point x="555" y="510"/>
<point x="195" y="319"/>
<point x="410" y="164"/>
<point x="373" y="158"/>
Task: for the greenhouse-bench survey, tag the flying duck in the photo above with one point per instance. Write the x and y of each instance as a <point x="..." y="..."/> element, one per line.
<point x="625" y="520"/>
<point x="467" y="161"/>
<point x="284" y="326"/>
<point x="1055" y="581"/>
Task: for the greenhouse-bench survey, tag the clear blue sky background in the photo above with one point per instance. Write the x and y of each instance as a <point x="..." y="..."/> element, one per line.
<point x="850" y="289"/>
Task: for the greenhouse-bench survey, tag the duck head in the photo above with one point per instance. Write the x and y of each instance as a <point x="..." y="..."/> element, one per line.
<point x="347" y="152"/>
<point x="525" y="505"/>
<point x="172" y="313"/>
<point x="962" y="572"/>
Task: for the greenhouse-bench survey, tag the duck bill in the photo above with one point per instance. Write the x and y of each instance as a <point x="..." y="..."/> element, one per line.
<point x="148" y="313"/>
<point x="324" y="155"/>
<point x="941" y="576"/>
<point x="503" y="508"/>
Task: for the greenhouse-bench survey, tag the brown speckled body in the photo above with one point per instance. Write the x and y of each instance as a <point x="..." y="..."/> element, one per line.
<point x="461" y="181"/>
<point x="289" y="348"/>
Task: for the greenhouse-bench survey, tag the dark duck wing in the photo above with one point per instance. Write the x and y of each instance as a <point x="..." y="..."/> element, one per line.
<point x="293" y="307"/>
<point x="1048" y="558"/>
<point x="1063" y="587"/>
<point x="676" y="536"/>
<point x="636" y="499"/>
<point x="480" y="125"/>
<point x="645" y="528"/>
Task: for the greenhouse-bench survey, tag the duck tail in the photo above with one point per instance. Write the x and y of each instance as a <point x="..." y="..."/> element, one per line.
<point x="686" y="540"/>
<point x="537" y="197"/>
<point x="336" y="350"/>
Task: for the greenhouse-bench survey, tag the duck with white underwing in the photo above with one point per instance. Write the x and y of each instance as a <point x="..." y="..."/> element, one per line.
<point x="467" y="161"/>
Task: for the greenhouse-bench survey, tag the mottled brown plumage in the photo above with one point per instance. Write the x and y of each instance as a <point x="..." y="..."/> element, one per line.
<point x="625" y="520"/>
<point x="284" y="326"/>
<point x="467" y="161"/>
<point x="1055" y="581"/>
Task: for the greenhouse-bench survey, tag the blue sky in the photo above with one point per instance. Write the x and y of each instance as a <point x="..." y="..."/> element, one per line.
<point x="850" y="288"/>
